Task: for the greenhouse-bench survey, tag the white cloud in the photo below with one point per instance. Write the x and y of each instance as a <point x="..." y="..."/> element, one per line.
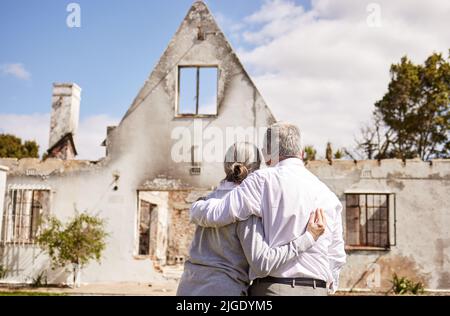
<point x="324" y="68"/>
<point x="230" y="25"/>
<point x="16" y="70"/>
<point x="91" y="132"/>
<point x="276" y="17"/>
<point x="28" y="127"/>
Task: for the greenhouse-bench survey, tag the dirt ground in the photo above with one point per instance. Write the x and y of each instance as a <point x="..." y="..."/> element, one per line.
<point x="167" y="288"/>
<point x="120" y="289"/>
<point x="170" y="277"/>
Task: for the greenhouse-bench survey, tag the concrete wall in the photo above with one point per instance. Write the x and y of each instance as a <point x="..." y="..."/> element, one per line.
<point x="422" y="226"/>
<point x="3" y="174"/>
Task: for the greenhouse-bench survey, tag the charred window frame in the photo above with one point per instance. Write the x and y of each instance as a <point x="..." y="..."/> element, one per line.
<point x="23" y="214"/>
<point x="197" y="91"/>
<point x="370" y="221"/>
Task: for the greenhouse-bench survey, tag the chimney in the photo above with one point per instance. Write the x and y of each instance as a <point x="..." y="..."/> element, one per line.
<point x="64" y="120"/>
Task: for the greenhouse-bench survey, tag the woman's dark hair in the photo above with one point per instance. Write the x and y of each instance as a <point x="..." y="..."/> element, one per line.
<point x="241" y="160"/>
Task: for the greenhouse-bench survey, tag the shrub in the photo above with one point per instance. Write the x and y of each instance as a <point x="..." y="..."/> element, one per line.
<point x="76" y="243"/>
<point x="40" y="280"/>
<point x="403" y="285"/>
<point x="3" y="272"/>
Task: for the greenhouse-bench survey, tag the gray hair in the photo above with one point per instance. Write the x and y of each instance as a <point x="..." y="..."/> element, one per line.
<point x="283" y="140"/>
<point x="241" y="159"/>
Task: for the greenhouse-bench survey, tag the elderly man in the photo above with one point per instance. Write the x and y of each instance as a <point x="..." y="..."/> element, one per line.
<point x="284" y="197"/>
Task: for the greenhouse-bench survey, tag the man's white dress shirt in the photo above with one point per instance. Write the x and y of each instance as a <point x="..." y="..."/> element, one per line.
<point x="284" y="196"/>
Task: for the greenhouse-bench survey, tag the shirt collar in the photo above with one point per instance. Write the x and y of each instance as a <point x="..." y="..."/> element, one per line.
<point x="290" y="162"/>
<point x="226" y="185"/>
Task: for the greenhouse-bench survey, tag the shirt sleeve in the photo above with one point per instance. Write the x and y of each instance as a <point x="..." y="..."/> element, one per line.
<point x="262" y="258"/>
<point x="336" y="250"/>
<point x="238" y="205"/>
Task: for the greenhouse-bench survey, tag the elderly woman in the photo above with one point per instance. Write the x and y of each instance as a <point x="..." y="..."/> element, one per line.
<point x="223" y="261"/>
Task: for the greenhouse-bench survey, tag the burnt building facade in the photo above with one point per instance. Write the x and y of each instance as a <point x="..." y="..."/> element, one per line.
<point x="160" y="159"/>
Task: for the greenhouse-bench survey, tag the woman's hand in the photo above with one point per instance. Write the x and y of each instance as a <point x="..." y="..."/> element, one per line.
<point x="317" y="224"/>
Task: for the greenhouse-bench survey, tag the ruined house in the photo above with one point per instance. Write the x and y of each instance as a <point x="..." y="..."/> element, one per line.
<point x="396" y="214"/>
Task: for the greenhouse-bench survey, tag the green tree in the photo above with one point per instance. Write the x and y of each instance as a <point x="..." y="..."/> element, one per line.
<point x="413" y="118"/>
<point x="310" y="153"/>
<point x="76" y="243"/>
<point x="433" y="110"/>
<point x="330" y="154"/>
<point x="339" y="154"/>
<point x="11" y="147"/>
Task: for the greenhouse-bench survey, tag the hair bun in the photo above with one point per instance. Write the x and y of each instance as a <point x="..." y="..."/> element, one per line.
<point x="240" y="172"/>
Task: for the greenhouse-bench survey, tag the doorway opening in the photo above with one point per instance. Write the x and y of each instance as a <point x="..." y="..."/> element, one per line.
<point x="147" y="229"/>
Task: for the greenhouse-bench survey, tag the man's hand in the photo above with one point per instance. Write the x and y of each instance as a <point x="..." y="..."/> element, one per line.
<point x="317" y="224"/>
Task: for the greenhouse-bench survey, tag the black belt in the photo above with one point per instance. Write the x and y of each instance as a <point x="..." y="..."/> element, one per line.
<point x="295" y="281"/>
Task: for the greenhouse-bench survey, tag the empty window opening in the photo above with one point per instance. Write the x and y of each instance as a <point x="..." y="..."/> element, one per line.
<point x="197" y="91"/>
<point x="24" y="211"/>
<point x="367" y="220"/>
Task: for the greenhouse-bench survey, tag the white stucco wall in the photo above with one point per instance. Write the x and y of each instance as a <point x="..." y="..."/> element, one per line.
<point x="422" y="226"/>
<point x="3" y="174"/>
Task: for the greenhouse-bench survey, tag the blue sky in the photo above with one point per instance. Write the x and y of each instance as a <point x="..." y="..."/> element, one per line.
<point x="110" y="56"/>
<point x="321" y="64"/>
